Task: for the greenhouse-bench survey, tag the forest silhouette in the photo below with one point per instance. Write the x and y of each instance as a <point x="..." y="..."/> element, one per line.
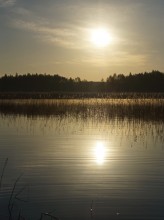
<point x="140" y="82"/>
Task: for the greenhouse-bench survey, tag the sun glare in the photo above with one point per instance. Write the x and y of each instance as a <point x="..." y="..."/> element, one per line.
<point x="100" y="152"/>
<point x="100" y="37"/>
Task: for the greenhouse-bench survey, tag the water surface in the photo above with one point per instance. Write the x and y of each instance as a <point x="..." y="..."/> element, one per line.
<point x="81" y="159"/>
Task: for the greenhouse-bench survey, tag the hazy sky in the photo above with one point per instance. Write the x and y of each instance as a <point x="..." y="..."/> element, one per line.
<point x="54" y="37"/>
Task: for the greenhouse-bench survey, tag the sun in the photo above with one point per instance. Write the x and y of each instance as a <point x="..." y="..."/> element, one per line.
<point x="100" y="37"/>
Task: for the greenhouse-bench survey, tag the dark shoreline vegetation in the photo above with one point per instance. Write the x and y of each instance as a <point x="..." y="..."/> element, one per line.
<point x="150" y="82"/>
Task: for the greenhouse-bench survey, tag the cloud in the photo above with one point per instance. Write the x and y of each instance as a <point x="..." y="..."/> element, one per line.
<point x="61" y="36"/>
<point x="7" y="3"/>
<point x="49" y="30"/>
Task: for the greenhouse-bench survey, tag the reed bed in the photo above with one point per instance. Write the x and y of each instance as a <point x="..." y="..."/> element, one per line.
<point x="137" y="108"/>
<point x="79" y="95"/>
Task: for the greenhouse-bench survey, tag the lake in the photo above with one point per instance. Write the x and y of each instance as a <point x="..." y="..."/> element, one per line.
<point x="82" y="159"/>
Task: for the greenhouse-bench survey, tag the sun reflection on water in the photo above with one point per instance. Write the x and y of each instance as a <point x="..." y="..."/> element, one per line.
<point x="100" y="152"/>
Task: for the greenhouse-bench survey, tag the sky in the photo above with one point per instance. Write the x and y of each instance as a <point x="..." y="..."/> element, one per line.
<point x="54" y="37"/>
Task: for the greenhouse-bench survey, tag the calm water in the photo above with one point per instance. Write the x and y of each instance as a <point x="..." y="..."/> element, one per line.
<point x="69" y="163"/>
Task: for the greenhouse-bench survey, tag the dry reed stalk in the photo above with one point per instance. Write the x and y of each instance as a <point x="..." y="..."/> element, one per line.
<point x="49" y="215"/>
<point x="11" y="200"/>
<point x="3" y="170"/>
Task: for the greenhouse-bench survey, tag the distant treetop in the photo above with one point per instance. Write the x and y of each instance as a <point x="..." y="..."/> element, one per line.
<point x="139" y="82"/>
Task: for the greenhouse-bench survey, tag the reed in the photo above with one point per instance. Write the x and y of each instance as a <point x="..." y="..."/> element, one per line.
<point x="49" y="216"/>
<point x="79" y="95"/>
<point x="3" y="170"/>
<point x="129" y="108"/>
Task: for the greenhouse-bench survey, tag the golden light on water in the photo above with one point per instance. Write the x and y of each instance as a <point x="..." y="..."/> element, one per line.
<point x="100" y="152"/>
<point x="100" y="37"/>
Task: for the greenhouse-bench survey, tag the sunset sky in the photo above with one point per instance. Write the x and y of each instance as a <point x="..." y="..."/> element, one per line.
<point x="56" y="37"/>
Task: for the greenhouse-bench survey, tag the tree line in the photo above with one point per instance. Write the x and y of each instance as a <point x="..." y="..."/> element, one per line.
<point x="140" y="82"/>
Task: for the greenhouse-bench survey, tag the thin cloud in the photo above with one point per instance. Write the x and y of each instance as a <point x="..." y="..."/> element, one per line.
<point x="7" y="3"/>
<point x="60" y="36"/>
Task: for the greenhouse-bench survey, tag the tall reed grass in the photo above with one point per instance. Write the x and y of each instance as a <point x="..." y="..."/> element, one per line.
<point x="78" y="95"/>
<point x="138" y="108"/>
